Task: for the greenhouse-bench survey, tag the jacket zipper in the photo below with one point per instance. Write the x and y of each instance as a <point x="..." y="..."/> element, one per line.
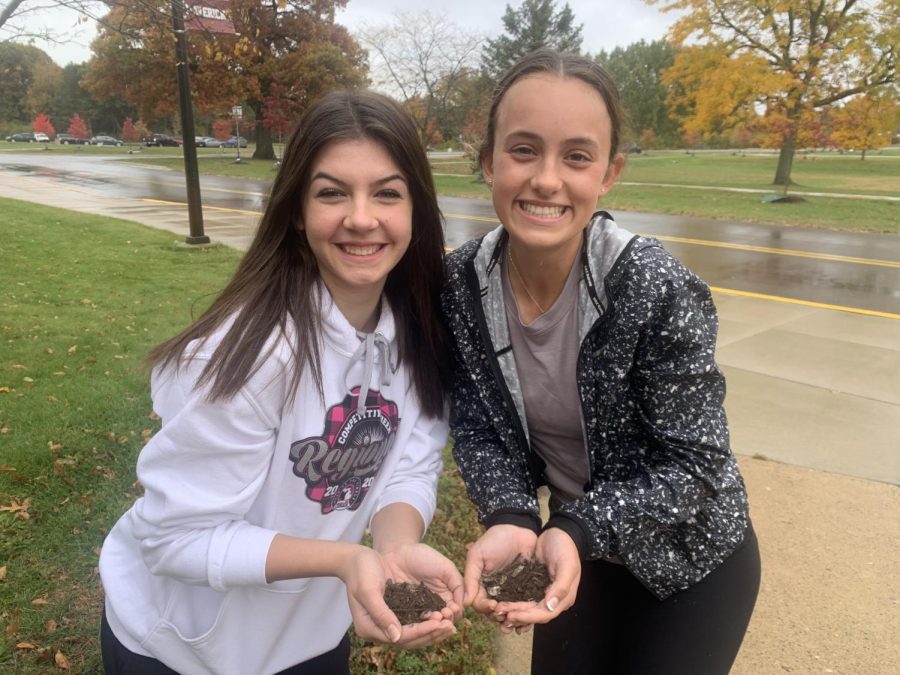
<point x="475" y="291"/>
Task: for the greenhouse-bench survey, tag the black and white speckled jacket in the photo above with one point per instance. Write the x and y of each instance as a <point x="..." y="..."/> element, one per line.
<point x="665" y="494"/>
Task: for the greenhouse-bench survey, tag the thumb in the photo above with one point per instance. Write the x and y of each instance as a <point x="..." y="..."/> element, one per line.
<point x="471" y="582"/>
<point x="387" y="621"/>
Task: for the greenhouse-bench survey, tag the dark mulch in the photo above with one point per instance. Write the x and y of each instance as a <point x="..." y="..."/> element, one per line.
<point x="410" y="601"/>
<point x="521" y="580"/>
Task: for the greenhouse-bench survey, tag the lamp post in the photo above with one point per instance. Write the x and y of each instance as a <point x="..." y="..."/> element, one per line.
<point x="191" y="171"/>
<point x="237" y="112"/>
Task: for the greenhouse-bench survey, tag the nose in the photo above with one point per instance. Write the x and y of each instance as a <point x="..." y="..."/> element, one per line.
<point x="361" y="217"/>
<point x="546" y="179"/>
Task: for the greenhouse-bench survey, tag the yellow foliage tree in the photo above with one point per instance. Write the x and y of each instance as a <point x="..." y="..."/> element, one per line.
<point x="864" y="123"/>
<point x="816" y="54"/>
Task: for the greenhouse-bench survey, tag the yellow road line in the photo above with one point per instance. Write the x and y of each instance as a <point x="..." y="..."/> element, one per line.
<point x="780" y="251"/>
<point x="206" y="207"/>
<point x="806" y="303"/>
<point x="738" y="247"/>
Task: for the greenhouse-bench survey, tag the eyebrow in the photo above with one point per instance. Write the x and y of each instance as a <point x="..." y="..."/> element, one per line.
<point x="335" y="179"/>
<point x="531" y="136"/>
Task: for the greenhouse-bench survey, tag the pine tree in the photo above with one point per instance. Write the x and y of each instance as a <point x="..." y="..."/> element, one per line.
<point x="535" y="24"/>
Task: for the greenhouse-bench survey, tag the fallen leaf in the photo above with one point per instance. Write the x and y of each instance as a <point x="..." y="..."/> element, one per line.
<point x="54" y="447"/>
<point x="4" y="390"/>
<point x="40" y="601"/>
<point x="6" y="468"/>
<point x="25" y="645"/>
<point x="27" y="379"/>
<point x="18" y="509"/>
<point x="3" y="573"/>
<point x="61" y="661"/>
<point x="4" y="429"/>
<point x="52" y="398"/>
<point x="19" y="366"/>
<point x="51" y="626"/>
<point x="73" y="349"/>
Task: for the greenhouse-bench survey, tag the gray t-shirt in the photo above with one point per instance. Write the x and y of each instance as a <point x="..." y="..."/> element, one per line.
<point x="546" y="353"/>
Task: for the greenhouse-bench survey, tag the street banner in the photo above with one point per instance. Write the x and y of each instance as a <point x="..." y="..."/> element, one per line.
<point x="209" y="16"/>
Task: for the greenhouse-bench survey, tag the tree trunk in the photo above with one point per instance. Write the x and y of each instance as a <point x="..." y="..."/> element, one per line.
<point x="786" y="161"/>
<point x="264" y="149"/>
<point x="862" y="155"/>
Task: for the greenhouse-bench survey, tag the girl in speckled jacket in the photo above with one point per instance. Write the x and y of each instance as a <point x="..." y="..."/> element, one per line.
<point x="306" y="405"/>
<point x="585" y="362"/>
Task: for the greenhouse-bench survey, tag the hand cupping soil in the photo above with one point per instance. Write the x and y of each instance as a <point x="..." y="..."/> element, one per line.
<point x="522" y="580"/>
<point x="410" y="601"/>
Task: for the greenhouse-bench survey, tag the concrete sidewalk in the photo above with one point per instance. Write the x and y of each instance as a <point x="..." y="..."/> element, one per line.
<point x="814" y="409"/>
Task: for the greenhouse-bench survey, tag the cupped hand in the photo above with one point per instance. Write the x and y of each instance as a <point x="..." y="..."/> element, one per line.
<point x="559" y="553"/>
<point x="494" y="550"/>
<point x="419" y="563"/>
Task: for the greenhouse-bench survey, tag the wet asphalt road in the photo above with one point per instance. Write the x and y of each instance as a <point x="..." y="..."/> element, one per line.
<point x="859" y="271"/>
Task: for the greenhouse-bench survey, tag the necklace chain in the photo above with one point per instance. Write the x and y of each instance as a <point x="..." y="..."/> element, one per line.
<point x="522" y="281"/>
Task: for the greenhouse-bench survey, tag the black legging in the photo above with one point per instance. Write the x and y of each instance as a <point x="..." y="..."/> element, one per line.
<point x="618" y="627"/>
<point x="117" y="660"/>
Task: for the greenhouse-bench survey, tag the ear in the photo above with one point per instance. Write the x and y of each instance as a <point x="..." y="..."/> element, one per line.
<point x="612" y="173"/>
<point x="487" y="167"/>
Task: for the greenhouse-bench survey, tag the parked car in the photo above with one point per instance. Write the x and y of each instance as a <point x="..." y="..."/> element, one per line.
<point x="233" y="142"/>
<point x="106" y="140"/>
<point x="634" y="148"/>
<point x="207" y="142"/>
<point x="69" y="139"/>
<point x="24" y="137"/>
<point x="159" y="140"/>
<point x="41" y="137"/>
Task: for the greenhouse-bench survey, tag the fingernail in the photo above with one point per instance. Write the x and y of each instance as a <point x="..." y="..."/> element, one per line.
<point x="393" y="633"/>
<point x="552" y="603"/>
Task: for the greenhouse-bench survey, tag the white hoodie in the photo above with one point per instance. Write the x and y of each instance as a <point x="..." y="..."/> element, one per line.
<point x="184" y="568"/>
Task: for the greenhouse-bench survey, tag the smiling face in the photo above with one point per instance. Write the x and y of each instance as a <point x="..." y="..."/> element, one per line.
<point x="357" y="214"/>
<point x="550" y="161"/>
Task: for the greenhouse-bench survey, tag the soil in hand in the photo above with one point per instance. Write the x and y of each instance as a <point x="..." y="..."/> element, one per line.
<point x="522" y="580"/>
<point x="410" y="601"/>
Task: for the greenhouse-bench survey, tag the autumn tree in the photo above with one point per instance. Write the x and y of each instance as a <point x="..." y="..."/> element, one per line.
<point x="293" y="45"/>
<point x="77" y="127"/>
<point x="223" y="129"/>
<point x="129" y="132"/>
<point x="818" y="53"/>
<point x="423" y="59"/>
<point x="864" y="123"/>
<point x="637" y="70"/>
<point x="535" y="24"/>
<point x="42" y="124"/>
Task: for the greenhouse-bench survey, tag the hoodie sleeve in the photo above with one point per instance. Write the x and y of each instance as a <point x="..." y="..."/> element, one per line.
<point x="679" y="392"/>
<point x="202" y="472"/>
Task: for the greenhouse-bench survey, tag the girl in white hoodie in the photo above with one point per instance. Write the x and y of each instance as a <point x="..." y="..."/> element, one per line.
<point x="306" y="405"/>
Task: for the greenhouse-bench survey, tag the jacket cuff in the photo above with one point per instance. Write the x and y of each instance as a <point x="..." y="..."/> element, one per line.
<point x="529" y="521"/>
<point x="574" y="529"/>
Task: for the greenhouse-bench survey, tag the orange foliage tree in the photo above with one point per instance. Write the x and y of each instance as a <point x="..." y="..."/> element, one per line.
<point x="129" y="133"/>
<point x="42" y="123"/>
<point x="294" y="46"/>
<point x="77" y="127"/>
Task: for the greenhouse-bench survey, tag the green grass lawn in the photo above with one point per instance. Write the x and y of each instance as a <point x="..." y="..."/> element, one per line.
<point x="82" y="300"/>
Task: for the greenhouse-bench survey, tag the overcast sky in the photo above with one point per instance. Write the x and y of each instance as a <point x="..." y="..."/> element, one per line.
<point x="607" y="24"/>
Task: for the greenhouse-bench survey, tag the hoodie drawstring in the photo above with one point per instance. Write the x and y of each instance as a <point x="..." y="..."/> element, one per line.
<point x="370" y="343"/>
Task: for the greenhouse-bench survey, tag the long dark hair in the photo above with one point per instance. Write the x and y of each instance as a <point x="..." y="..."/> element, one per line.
<point x="563" y="64"/>
<point x="275" y="280"/>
